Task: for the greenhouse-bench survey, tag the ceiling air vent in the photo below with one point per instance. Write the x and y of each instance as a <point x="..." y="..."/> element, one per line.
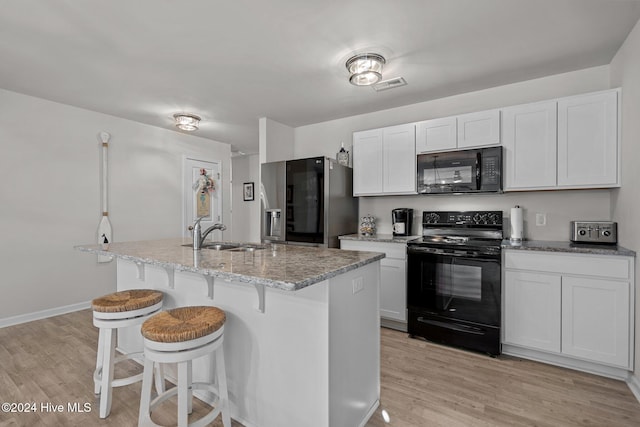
<point x="389" y="84"/>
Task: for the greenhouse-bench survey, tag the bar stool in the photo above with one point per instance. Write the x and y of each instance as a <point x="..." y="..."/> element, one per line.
<point x="179" y="336"/>
<point x="110" y="312"/>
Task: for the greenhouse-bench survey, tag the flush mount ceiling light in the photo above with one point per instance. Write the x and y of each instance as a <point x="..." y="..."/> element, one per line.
<point x="365" y="69"/>
<point x="187" y="122"/>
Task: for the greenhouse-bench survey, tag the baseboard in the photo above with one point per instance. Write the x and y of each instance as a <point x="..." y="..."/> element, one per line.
<point x="37" y="315"/>
<point x="566" y="362"/>
<point x="634" y="385"/>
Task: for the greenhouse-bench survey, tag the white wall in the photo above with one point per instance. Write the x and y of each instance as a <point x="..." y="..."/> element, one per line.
<point x="276" y="141"/>
<point x="246" y="215"/>
<point x="625" y="72"/>
<point x="561" y="207"/>
<point x="50" y="195"/>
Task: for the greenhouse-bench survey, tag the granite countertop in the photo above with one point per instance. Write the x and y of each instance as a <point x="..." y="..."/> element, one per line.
<point x="286" y="267"/>
<point x="565" y="246"/>
<point x="387" y="238"/>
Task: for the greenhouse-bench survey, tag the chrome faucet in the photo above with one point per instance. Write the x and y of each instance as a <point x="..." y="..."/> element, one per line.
<point x="198" y="236"/>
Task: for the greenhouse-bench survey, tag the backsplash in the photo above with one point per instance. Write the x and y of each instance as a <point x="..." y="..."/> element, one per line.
<point x="559" y="207"/>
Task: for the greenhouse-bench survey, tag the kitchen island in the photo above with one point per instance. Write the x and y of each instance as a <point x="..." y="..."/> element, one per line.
<point x="302" y="332"/>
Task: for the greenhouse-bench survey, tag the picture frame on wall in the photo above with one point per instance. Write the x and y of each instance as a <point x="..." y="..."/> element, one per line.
<point x="247" y="193"/>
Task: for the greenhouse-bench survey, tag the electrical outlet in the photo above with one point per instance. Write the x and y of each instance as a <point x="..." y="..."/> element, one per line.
<point x="358" y="285"/>
<point x="541" y="219"/>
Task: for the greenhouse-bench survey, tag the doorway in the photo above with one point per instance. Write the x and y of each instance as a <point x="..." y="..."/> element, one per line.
<point x="201" y="193"/>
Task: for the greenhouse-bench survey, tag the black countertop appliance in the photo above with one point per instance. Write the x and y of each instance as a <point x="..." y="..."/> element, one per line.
<point x="402" y="220"/>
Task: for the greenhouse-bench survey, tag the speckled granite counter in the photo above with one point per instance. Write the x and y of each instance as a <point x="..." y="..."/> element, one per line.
<point x="385" y="238"/>
<point x="285" y="267"/>
<point x="582" y="248"/>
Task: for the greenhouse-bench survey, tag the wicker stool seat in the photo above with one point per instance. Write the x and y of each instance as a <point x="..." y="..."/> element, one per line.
<point x="179" y="336"/>
<point x="134" y="299"/>
<point x="121" y="309"/>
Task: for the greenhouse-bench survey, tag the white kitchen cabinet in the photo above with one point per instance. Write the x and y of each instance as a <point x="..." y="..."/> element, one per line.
<point x="470" y="130"/>
<point x="367" y="162"/>
<point x="393" y="279"/>
<point x="529" y="139"/>
<point x="595" y="319"/>
<point x="588" y="140"/>
<point x="532" y="310"/>
<point x="479" y="129"/>
<point x="384" y="161"/>
<point x="574" y="310"/>
<point x="563" y="143"/>
<point x="436" y="135"/>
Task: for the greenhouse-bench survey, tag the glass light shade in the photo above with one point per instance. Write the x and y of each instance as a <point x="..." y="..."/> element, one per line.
<point x="365" y="69"/>
<point x="187" y="122"/>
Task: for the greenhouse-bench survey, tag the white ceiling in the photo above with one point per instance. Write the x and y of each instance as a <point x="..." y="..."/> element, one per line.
<point x="233" y="62"/>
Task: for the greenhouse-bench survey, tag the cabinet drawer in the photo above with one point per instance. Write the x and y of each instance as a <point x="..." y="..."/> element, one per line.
<point x="589" y="265"/>
<point x="392" y="250"/>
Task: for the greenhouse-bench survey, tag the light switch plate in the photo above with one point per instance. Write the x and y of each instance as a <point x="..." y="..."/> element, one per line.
<point x="541" y="219"/>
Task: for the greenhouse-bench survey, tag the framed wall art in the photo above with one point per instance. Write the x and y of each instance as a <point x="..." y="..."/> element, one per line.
<point x="247" y="193"/>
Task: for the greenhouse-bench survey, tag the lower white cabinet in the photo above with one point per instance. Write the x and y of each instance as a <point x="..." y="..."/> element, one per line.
<point x="577" y="309"/>
<point x="595" y="319"/>
<point x="393" y="279"/>
<point x="532" y="310"/>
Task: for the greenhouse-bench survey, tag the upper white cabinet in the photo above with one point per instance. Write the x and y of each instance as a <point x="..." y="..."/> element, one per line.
<point x="588" y="140"/>
<point x="530" y="144"/>
<point x="563" y="143"/>
<point x="436" y="135"/>
<point x="458" y="132"/>
<point x="384" y="161"/>
<point x="479" y="129"/>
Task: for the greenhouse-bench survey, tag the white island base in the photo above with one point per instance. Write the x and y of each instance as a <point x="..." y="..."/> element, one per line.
<point x="312" y="358"/>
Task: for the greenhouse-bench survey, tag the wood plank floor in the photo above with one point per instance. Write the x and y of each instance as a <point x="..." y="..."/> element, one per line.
<point x="422" y="384"/>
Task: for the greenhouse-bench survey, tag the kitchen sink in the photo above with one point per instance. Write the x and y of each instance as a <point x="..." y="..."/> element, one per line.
<point x="236" y="247"/>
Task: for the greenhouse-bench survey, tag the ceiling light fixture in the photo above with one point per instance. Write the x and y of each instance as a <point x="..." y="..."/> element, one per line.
<point x="365" y="69"/>
<point x="187" y="122"/>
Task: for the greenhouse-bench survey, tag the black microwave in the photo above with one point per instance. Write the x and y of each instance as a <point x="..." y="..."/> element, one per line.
<point x="466" y="171"/>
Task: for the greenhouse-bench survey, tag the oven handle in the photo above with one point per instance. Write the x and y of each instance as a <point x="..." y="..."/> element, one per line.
<point x="461" y="254"/>
<point x="453" y="326"/>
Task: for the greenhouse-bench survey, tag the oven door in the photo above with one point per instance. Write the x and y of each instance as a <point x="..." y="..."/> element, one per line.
<point x="454" y="284"/>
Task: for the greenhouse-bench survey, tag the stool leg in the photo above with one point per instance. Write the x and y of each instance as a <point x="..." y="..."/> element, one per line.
<point x="221" y="375"/>
<point x="159" y="378"/>
<point x="144" y="416"/>
<point x="183" y="394"/>
<point x="99" y="361"/>
<point x="107" y="372"/>
<point x="189" y="387"/>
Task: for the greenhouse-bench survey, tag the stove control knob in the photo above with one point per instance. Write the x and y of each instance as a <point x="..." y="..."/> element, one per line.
<point x="606" y="233"/>
<point x="494" y="218"/>
<point x="432" y="218"/>
<point x="582" y="232"/>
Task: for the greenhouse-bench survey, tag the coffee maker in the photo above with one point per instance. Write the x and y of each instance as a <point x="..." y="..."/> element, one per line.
<point x="402" y="220"/>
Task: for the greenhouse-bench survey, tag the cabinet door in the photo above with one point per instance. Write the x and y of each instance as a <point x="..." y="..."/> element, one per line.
<point x="367" y="162"/>
<point x="588" y="140"/>
<point x="399" y="159"/>
<point x="436" y="135"/>
<point x="393" y="289"/>
<point x="532" y="310"/>
<point x="479" y="129"/>
<point x="595" y="320"/>
<point x="529" y="140"/>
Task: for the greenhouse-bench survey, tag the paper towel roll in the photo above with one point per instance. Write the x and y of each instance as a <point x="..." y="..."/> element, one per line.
<point x="517" y="225"/>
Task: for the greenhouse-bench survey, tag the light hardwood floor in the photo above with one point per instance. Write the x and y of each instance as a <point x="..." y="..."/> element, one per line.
<point x="422" y="384"/>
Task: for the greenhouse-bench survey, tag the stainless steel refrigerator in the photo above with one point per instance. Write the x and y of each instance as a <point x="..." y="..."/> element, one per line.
<point x="307" y="202"/>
